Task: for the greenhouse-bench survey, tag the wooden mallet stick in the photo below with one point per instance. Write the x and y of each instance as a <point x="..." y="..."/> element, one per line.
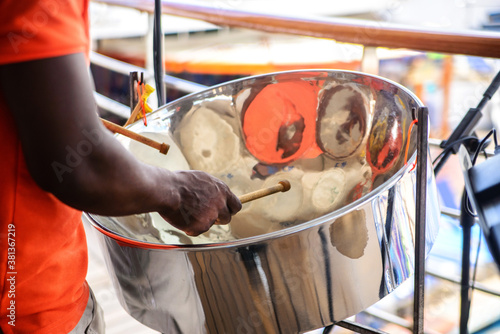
<point x="134" y="114"/>
<point x="282" y="186"/>
<point x="162" y="147"/>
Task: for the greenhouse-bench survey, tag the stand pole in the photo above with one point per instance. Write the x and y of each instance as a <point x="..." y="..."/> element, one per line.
<point x="159" y="66"/>
<point x="466" y="221"/>
<point x="421" y="207"/>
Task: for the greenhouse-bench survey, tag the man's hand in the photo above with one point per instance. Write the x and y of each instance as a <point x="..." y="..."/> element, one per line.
<point x="201" y="201"/>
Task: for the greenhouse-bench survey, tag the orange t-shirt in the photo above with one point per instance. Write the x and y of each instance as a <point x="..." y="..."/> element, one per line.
<point x="43" y="251"/>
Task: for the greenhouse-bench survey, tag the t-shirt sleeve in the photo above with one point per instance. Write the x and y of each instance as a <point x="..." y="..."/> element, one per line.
<point x="35" y="29"/>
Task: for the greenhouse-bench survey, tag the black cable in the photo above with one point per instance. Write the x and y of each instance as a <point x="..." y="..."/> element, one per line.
<point x="481" y="144"/>
<point x="448" y="148"/>
<point x="469" y="209"/>
<point x="479" y="149"/>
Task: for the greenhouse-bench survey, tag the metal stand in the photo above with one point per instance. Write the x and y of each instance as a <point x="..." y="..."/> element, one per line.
<point x="421" y="211"/>
<point x="466" y="221"/>
<point x="420" y="223"/>
<point x="465" y="128"/>
<point x="159" y="66"/>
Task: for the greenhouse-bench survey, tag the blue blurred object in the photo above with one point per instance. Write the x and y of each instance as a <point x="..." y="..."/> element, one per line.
<point x="446" y="255"/>
<point x="446" y="194"/>
<point x="480" y="65"/>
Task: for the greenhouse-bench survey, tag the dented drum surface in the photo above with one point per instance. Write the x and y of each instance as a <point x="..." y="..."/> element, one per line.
<point x="340" y="240"/>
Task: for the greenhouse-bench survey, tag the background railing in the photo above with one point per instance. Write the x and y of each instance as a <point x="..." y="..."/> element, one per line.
<point x="365" y="32"/>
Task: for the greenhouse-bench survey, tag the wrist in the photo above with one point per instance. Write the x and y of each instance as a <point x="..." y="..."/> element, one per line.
<point x="166" y="192"/>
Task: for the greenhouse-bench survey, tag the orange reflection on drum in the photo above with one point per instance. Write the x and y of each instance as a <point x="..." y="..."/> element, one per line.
<point x="279" y="125"/>
<point x="385" y="140"/>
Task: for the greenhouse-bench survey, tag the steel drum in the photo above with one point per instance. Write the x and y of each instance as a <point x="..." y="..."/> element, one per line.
<point x="340" y="240"/>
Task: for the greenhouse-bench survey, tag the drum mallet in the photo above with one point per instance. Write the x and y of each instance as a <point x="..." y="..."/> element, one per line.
<point x="282" y="186"/>
<point x="162" y="147"/>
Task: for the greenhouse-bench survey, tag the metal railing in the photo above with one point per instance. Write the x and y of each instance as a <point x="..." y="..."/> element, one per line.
<point x="367" y="33"/>
<point x="125" y="68"/>
<point x="121" y="67"/>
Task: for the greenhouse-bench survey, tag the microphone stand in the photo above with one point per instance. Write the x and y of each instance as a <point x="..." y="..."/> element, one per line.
<point x="465" y="128"/>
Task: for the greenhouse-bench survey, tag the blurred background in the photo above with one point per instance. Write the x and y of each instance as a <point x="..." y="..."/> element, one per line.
<point x="199" y="54"/>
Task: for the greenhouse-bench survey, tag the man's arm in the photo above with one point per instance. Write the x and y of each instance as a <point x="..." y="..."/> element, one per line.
<point x="70" y="154"/>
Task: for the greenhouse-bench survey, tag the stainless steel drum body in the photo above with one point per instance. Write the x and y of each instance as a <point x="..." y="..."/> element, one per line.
<point x="300" y="275"/>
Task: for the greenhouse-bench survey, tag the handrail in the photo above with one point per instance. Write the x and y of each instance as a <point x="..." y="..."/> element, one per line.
<point x="112" y="106"/>
<point x="368" y="33"/>
<point x="125" y="68"/>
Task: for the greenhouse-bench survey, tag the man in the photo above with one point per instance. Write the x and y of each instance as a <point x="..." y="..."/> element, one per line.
<point x="58" y="159"/>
